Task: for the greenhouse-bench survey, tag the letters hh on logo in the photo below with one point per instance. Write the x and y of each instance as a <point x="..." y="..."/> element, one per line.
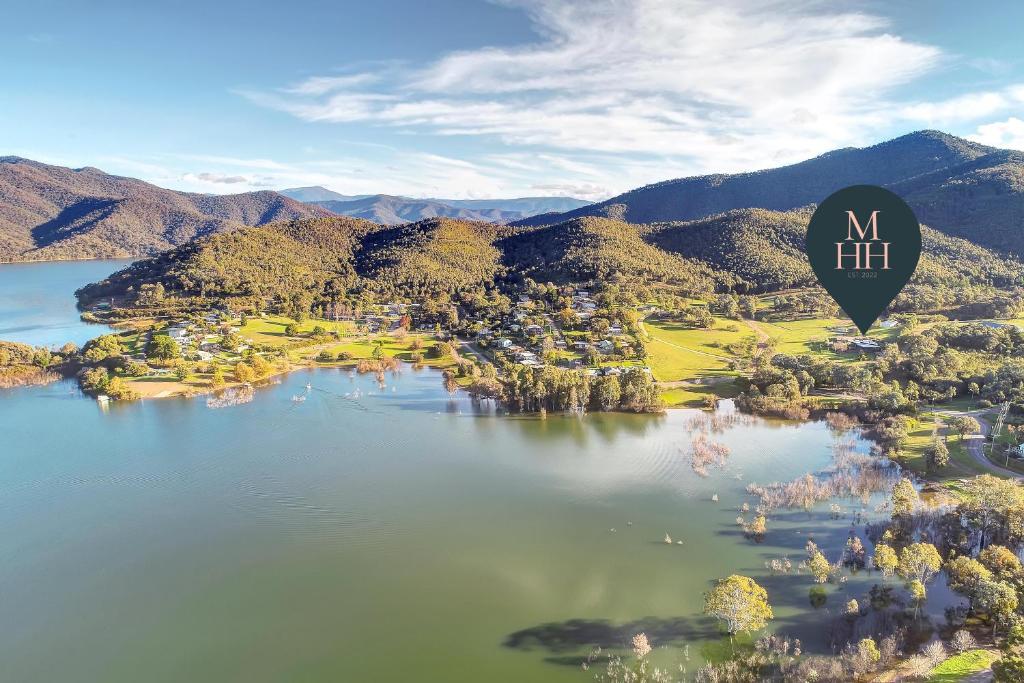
<point x="862" y="250"/>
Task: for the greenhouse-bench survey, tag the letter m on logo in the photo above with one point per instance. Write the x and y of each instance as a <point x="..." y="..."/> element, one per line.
<point x="852" y="224"/>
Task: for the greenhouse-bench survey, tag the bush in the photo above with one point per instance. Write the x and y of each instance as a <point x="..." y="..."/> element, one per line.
<point x="134" y="368"/>
<point x="344" y="355"/>
<point x="93" y="380"/>
<point x="325" y="357"/>
<point x="962" y="641"/>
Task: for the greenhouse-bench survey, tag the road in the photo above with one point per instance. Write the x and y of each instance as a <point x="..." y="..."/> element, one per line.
<point x="976" y="443"/>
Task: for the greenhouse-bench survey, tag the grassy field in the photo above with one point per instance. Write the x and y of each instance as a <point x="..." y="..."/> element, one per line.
<point x="922" y="431"/>
<point x="795" y="337"/>
<point x="676" y="352"/>
<point x="270" y="330"/>
<point x="692" y="396"/>
<point x="959" y="667"/>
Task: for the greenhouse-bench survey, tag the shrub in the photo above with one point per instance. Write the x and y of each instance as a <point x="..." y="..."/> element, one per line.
<point x="962" y="641"/>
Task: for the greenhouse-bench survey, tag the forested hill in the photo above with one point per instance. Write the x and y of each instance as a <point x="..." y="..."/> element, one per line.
<point x="301" y="266"/>
<point x="764" y="251"/>
<point x="956" y="186"/>
<point x="52" y="212"/>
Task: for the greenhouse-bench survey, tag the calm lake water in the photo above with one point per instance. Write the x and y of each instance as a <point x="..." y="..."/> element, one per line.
<point x="372" y="533"/>
<point x="37" y="302"/>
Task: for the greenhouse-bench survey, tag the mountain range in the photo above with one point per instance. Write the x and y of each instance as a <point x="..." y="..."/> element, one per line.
<point x="394" y="210"/>
<point x="958" y="187"/>
<point x="51" y="212"/>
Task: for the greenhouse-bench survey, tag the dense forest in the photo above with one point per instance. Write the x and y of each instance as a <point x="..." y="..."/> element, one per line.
<point x="300" y="267"/>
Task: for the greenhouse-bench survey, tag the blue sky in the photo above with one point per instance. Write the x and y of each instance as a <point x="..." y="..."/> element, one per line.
<point x="481" y="99"/>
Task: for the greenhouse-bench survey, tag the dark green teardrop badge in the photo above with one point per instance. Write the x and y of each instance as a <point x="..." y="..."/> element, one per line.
<point x="863" y="243"/>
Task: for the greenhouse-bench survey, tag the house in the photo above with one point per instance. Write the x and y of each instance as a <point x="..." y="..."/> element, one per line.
<point x="611" y="372"/>
<point x="865" y="344"/>
<point x="581" y="345"/>
<point x="560" y="344"/>
<point x="484" y="332"/>
<point x="605" y="346"/>
<point x="178" y="333"/>
<point x="504" y="343"/>
<point x="615" y="330"/>
<point x="204" y="356"/>
<point x="523" y="356"/>
<point x="533" y="330"/>
<point x="888" y="324"/>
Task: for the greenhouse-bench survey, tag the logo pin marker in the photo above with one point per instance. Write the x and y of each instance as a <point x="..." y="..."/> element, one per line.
<point x="863" y="243"/>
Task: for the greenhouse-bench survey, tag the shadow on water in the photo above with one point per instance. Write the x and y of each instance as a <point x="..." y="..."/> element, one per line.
<point x="570" y="642"/>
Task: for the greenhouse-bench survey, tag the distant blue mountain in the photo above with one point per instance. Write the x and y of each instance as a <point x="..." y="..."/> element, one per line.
<point x="393" y="210"/>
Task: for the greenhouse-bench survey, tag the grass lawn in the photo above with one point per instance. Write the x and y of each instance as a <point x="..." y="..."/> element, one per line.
<point x="795" y="337"/>
<point x="961" y="464"/>
<point x="959" y="667"/>
<point x="270" y="330"/>
<point x="693" y="396"/>
<point x="676" y="352"/>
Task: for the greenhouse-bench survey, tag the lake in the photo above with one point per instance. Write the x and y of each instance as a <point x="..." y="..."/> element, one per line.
<point x="373" y="532"/>
<point x="37" y="302"/>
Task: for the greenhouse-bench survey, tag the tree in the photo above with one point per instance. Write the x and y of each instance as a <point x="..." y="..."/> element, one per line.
<point x="904" y="498"/>
<point x="163" y="347"/>
<point x="1001" y="561"/>
<point x="1009" y="669"/>
<point x="885" y="559"/>
<point x="964" y="425"/>
<point x="919" y="562"/>
<point x="739" y="602"/>
<point x="217" y="379"/>
<point x="966" y="574"/>
<point x="994" y="507"/>
<point x="996" y="598"/>
<point x="244" y="372"/>
<point x="819" y="566"/>
<point x="102" y="348"/>
<point x="758" y="527"/>
<point x="182" y="371"/>
<point x="94" y="380"/>
<point x="607" y="392"/>
<point x="936" y="455"/>
<point x="119" y="390"/>
<point x="262" y="367"/>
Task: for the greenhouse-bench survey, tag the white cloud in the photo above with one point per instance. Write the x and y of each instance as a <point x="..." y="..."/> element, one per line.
<point x="219" y="178"/>
<point x="725" y="85"/>
<point x="1008" y="134"/>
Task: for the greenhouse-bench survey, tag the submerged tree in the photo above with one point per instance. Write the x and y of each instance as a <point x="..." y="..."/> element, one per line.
<point x="739" y="602"/>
